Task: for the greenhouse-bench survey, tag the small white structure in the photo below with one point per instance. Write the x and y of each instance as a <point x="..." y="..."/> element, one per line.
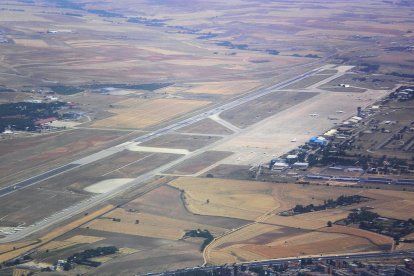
<point x="279" y="166"/>
<point x="301" y="165"/>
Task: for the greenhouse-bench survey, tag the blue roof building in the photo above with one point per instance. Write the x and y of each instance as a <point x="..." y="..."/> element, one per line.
<point x="320" y="141"/>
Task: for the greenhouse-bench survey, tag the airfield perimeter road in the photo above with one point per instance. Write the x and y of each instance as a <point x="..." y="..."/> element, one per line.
<point x="97" y="199"/>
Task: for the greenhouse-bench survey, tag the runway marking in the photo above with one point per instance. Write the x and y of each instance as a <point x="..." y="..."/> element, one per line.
<point x="158" y="150"/>
<point x="136" y="161"/>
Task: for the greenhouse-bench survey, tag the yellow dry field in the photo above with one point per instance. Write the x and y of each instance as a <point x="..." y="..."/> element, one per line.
<point x="90" y="43"/>
<point x="102" y="259"/>
<point x="246" y="233"/>
<point x="84" y="239"/>
<point x="310" y="221"/>
<point x="21" y="272"/>
<point x="227" y="198"/>
<point x="407" y="246"/>
<point x="20" y="17"/>
<point x="223" y="88"/>
<point x="206" y="62"/>
<point x="371" y="236"/>
<point x="9" y="246"/>
<point x="249" y="200"/>
<point x="66" y="228"/>
<point x="162" y="51"/>
<point x="279" y="236"/>
<point x="36" y="43"/>
<point x="55" y="245"/>
<point x="313" y="243"/>
<point x="78" y="239"/>
<point x="56" y="233"/>
<point x="127" y="250"/>
<point x="137" y="113"/>
<point x="149" y="225"/>
<point x="392" y="204"/>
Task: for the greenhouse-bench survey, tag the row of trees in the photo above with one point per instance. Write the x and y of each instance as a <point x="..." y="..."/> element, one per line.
<point x="329" y="204"/>
<point x="372" y="221"/>
<point x="85" y="256"/>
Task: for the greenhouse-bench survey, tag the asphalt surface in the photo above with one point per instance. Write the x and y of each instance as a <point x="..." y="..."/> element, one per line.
<point x="36" y="179"/>
<point x="98" y="199"/>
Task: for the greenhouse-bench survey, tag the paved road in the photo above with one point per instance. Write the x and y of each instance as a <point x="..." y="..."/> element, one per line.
<point x="402" y="254"/>
<point x="97" y="199"/>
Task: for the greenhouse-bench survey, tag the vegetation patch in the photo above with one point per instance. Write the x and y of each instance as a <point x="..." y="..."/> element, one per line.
<point x="373" y="222"/>
<point x="66" y="4"/>
<point x="147" y="22"/>
<point x="5" y="89"/>
<point x="231" y="45"/>
<point x="83" y="258"/>
<point x="200" y="234"/>
<point x="23" y="115"/>
<point x="328" y="204"/>
<point x="66" y="90"/>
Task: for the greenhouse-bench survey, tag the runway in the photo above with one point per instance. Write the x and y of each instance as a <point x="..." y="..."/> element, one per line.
<point x="98" y="199"/>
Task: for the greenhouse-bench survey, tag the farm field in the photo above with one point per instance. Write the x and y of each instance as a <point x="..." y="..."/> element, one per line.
<point x="222" y="88"/>
<point x="306" y="244"/>
<point x="274" y="236"/>
<point x="141" y="114"/>
<point x="153" y="243"/>
<point x="280" y="197"/>
<point x="51" y="235"/>
<point x="146" y="225"/>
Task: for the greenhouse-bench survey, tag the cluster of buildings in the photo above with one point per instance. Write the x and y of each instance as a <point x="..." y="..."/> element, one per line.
<point x="331" y="148"/>
<point x="310" y="267"/>
<point x="404" y="94"/>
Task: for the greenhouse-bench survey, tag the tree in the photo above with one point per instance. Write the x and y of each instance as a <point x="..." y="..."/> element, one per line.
<point x="312" y="160"/>
<point x="67" y="266"/>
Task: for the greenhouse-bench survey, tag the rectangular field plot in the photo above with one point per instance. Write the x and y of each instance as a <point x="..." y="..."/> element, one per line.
<point x="138" y="113"/>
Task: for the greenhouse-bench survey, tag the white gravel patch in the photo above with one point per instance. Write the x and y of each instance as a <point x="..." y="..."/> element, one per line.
<point x="107" y="185"/>
<point x="157" y="150"/>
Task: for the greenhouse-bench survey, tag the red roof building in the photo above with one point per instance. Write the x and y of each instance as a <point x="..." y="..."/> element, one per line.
<point x="45" y="121"/>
